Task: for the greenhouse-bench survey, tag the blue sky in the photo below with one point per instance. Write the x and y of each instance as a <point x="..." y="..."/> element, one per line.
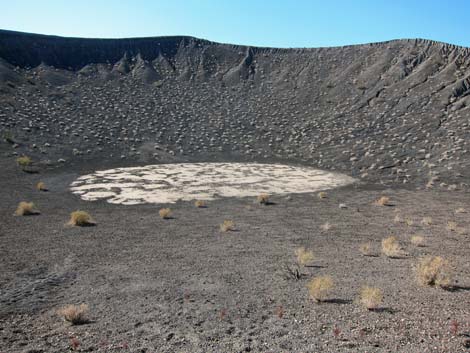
<point x="276" y="23"/>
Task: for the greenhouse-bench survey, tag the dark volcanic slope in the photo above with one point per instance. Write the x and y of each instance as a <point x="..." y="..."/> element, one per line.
<point x="394" y="111"/>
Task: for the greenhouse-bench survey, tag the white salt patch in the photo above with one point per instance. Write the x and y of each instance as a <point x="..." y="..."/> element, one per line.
<point x="168" y="183"/>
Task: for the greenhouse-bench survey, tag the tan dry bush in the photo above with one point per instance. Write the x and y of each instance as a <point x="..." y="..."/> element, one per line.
<point x="320" y="287"/>
<point x="41" y="186"/>
<point x="371" y="297"/>
<point x="326" y="226"/>
<point x="434" y="271"/>
<point x="417" y="240"/>
<point x="200" y="204"/>
<point x="24" y="161"/>
<point x="397" y="219"/>
<point x="452" y="226"/>
<point x="26" y="209"/>
<point x="227" y="226"/>
<point x="427" y="221"/>
<point x="75" y="314"/>
<point x="460" y="210"/>
<point x="391" y="247"/>
<point x="165" y="213"/>
<point x="81" y="219"/>
<point x="322" y="195"/>
<point x="366" y="249"/>
<point x="304" y="257"/>
<point x="263" y="199"/>
<point x="383" y="201"/>
<point x="409" y="222"/>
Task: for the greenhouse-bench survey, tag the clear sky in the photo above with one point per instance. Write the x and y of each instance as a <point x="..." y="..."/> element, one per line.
<point x="276" y="23"/>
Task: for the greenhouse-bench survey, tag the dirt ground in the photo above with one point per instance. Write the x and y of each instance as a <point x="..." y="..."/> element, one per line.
<point x="182" y="285"/>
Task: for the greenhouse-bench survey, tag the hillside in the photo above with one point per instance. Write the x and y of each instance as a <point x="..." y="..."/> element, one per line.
<point x="394" y="111"/>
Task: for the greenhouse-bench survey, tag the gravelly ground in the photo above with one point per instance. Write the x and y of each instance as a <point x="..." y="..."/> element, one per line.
<point x="180" y="285"/>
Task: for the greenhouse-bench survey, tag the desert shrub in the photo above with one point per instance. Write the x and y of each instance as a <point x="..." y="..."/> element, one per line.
<point x="81" y="219"/>
<point x="409" y="222"/>
<point x="434" y="271"/>
<point x="26" y="209"/>
<point x="227" y="226"/>
<point x="383" y="201"/>
<point x="397" y="219"/>
<point x="75" y="314"/>
<point x="460" y="210"/>
<point x="391" y="247"/>
<point x="322" y="195"/>
<point x="452" y="226"/>
<point x="417" y="240"/>
<point x="427" y="221"/>
<point x="24" y="161"/>
<point x="304" y="257"/>
<point x="326" y="226"/>
<point x="263" y="199"/>
<point x="370" y="297"/>
<point x="366" y="249"/>
<point x="200" y="204"/>
<point x="320" y="287"/>
<point x="41" y="186"/>
<point x="165" y="213"/>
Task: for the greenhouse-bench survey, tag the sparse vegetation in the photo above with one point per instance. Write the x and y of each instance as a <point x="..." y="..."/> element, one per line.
<point x="24" y="161"/>
<point x="326" y="226"/>
<point x="460" y="210"/>
<point x="75" y="314"/>
<point x="322" y="195"/>
<point x="263" y="199"/>
<point x="391" y="247"/>
<point x="320" y="287"/>
<point x="427" y="221"/>
<point x="304" y="257"/>
<point x="165" y="213"/>
<point x="397" y="219"/>
<point x="227" y="226"/>
<point x="81" y="219"/>
<point x="383" y="201"/>
<point x="409" y="222"/>
<point x="26" y="209"/>
<point x="434" y="271"/>
<point x="200" y="204"/>
<point x="417" y="240"/>
<point x="452" y="226"/>
<point x="41" y="186"/>
<point x="371" y="297"/>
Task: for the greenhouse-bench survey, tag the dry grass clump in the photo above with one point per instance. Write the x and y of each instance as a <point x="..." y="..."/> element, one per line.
<point x="326" y="226"/>
<point x="320" y="287"/>
<point x="366" y="249"/>
<point x="371" y="297"/>
<point x="24" y="161"/>
<point x="81" y="219"/>
<point x="397" y="219"/>
<point x="409" y="222"/>
<point x="322" y="195"/>
<point x="263" y="199"/>
<point x="75" y="314"/>
<point x="383" y="201"/>
<point x="427" y="221"/>
<point x="460" y="210"/>
<point x="417" y="240"/>
<point x="227" y="226"/>
<point x="452" y="226"/>
<point x="304" y="257"/>
<point x="41" y="186"/>
<point x="165" y="213"/>
<point x="26" y="209"/>
<point x="434" y="271"/>
<point x="200" y="204"/>
<point x="391" y="247"/>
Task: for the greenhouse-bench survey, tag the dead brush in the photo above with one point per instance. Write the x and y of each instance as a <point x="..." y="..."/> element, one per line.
<point x="26" y="209"/>
<point x="304" y="257"/>
<point x="391" y="247"/>
<point x="200" y="204"/>
<point x="165" y="213"/>
<point x="263" y="199"/>
<point x="417" y="240"/>
<point x="24" y="161"/>
<point x="427" y="221"/>
<point x="370" y="297"/>
<point x="366" y="249"/>
<point x="75" y="314"/>
<point x="383" y="201"/>
<point x="326" y="226"/>
<point x="322" y="195"/>
<point x="40" y="186"/>
<point x="452" y="226"/>
<point x="81" y="219"/>
<point x="320" y="287"/>
<point x="434" y="271"/>
<point x="227" y="226"/>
